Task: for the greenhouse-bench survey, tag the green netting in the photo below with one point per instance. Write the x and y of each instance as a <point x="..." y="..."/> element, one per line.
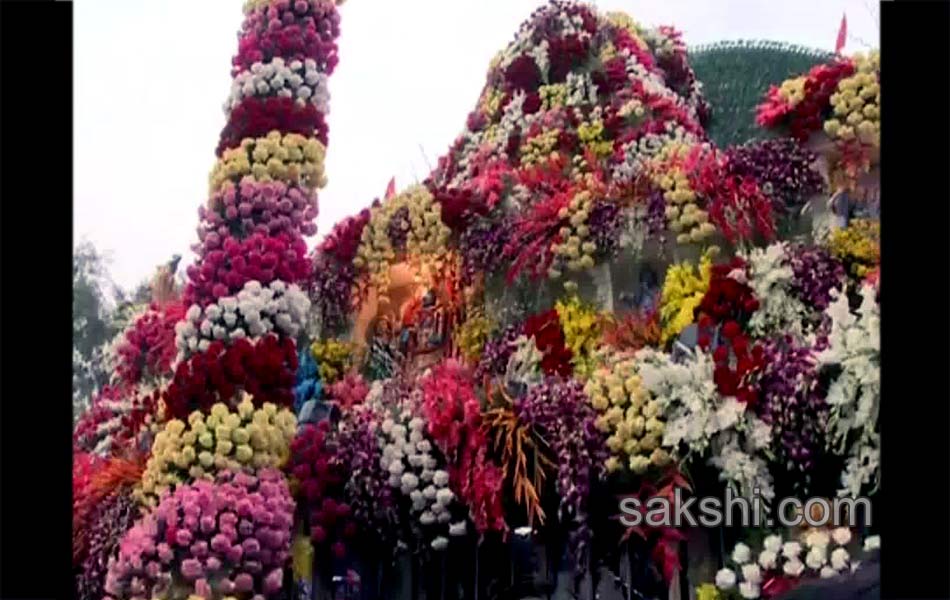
<point x="736" y="74"/>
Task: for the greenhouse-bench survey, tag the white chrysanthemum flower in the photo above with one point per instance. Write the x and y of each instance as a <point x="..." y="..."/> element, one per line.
<point x="752" y="573"/>
<point x="424" y="446"/>
<point x="841" y="536"/>
<point x="457" y="529"/>
<point x="396" y="467"/>
<point x="839" y="559"/>
<point x="872" y="543"/>
<point x="427" y="475"/>
<point x="387" y="426"/>
<point x="440" y="543"/>
<point x="194" y="313"/>
<point x="430" y="492"/>
<point x="444" y="496"/>
<point x="441" y="478"/>
<point x="817" y="538"/>
<point x="793" y="568"/>
<point x="417" y="424"/>
<point x="409" y="482"/>
<point x="791" y="549"/>
<point x="741" y="554"/>
<point x="725" y="579"/>
<point x="768" y="559"/>
<point x="427" y="518"/>
<point x="773" y="543"/>
<point x="748" y="589"/>
<point x="816" y="557"/>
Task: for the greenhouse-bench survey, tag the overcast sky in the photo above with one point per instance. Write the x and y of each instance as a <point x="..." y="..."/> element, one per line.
<point x="150" y="79"/>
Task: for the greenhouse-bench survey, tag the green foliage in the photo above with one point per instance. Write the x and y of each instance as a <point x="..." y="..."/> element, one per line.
<point x="736" y="75"/>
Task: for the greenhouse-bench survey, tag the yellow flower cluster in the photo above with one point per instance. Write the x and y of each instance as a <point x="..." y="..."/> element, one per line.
<point x="583" y="327"/>
<point x="291" y="158"/>
<point x="426" y="240"/>
<point x="590" y="135"/>
<point x="247" y="438"/>
<point x="857" y="104"/>
<point x="707" y="591"/>
<point x="683" y="290"/>
<point x="793" y="90"/>
<point x="539" y="148"/>
<point x="628" y="414"/>
<point x="333" y="357"/>
<point x="491" y="101"/>
<point x="686" y="218"/>
<point x="575" y="249"/>
<point x="471" y="335"/>
<point x="624" y="21"/>
<point x="552" y="95"/>
<point x="858" y="244"/>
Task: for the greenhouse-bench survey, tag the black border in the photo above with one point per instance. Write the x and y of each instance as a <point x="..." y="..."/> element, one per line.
<point x="915" y="305"/>
<point x="35" y="267"/>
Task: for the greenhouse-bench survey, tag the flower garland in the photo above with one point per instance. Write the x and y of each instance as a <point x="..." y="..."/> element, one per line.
<point x="291" y="158"/>
<point x="264" y="369"/>
<point x="701" y="422"/>
<point x="230" y="537"/>
<point x="250" y="206"/>
<point x="453" y="421"/>
<point x="418" y="215"/>
<point x="562" y="415"/>
<point x="253" y="313"/>
<point x="226" y="264"/>
<point x="854" y="396"/>
<point x="224" y="439"/>
<point x="297" y="80"/>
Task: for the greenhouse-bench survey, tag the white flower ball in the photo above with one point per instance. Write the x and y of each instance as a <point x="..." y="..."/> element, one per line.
<point x="441" y="478"/>
<point x="839" y="559"/>
<point x="424" y="446"/>
<point x="430" y="492"/>
<point x="748" y="589"/>
<point x="440" y="543"/>
<point x="457" y="529"/>
<point x="841" y="536"/>
<point x="741" y="554"/>
<point x="767" y="559"/>
<point x="791" y="549"/>
<point x="213" y="312"/>
<point x="751" y="573"/>
<point x="230" y="319"/>
<point x="387" y="426"/>
<point x="444" y="496"/>
<point x="444" y="517"/>
<point x="773" y="543"/>
<point x="415" y="460"/>
<point x="816" y="557"/>
<point x="827" y="572"/>
<point x="427" y="518"/>
<point x="872" y="543"/>
<point x="427" y="475"/>
<point x="415" y="437"/>
<point x="409" y="481"/>
<point x="432" y="463"/>
<point x="725" y="579"/>
<point x="396" y="467"/>
<point x="194" y="313"/>
<point x="793" y="568"/>
<point x="817" y="538"/>
<point x="219" y="332"/>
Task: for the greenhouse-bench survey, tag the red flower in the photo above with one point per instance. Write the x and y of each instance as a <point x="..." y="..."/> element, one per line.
<point x="256" y="117"/>
<point x="523" y="74"/>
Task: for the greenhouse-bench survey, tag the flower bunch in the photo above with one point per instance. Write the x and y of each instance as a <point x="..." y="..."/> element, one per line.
<point x="548" y="336"/>
<point x="701" y="422"/>
<point x="111" y="517"/>
<point x="264" y="369"/>
<point x="782" y="167"/>
<point x="289" y="29"/>
<point x="299" y="81"/>
<point x="230" y="537"/>
<point x="780" y="566"/>
<point x="854" y="395"/>
<point x="254" y="312"/>
<point x="226" y="264"/>
<point x="628" y="414"/>
<point x="771" y="279"/>
<point x="453" y="418"/>
<point x="857" y="104"/>
<point x="815" y="273"/>
<point x="575" y="248"/>
<point x="268" y="208"/>
<point x="792" y="402"/>
<point x="147" y="348"/>
<point x="333" y="274"/>
<point x="416" y="471"/>
<point x="315" y="463"/>
<point x="471" y="335"/>
<point x="421" y="223"/>
<point x="496" y="353"/>
<point x="308" y="384"/>
<point x="349" y="391"/>
<point x="291" y="158"/>
<point x="255" y="117"/>
<point x="333" y="357"/>
<point x="633" y="330"/>
<point x="244" y="438"/>
<point x="858" y="246"/>
<point x="673" y="171"/>
<point x="562" y="415"/>
<point x="800" y="103"/>
<point x="95" y="482"/>
<point x="118" y="420"/>
<point x="582" y="326"/>
<point x="683" y="290"/>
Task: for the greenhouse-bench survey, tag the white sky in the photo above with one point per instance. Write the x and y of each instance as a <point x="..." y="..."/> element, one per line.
<point x="151" y="76"/>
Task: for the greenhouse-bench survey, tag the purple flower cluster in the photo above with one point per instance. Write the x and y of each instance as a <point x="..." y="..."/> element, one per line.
<point x="367" y="489"/>
<point x="481" y="246"/>
<point x="559" y="411"/>
<point x="112" y="517"/>
<point x="496" y="352"/>
<point x="605" y="223"/>
<point x="331" y="289"/>
<point x="656" y="213"/>
<point x="816" y="273"/>
<point x="231" y="537"/>
<point x="783" y="168"/>
<point x="268" y="208"/>
<point x="792" y="402"/>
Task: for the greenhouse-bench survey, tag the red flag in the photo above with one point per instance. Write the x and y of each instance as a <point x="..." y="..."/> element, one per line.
<point x="842" y="35"/>
<point x="391" y="188"/>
